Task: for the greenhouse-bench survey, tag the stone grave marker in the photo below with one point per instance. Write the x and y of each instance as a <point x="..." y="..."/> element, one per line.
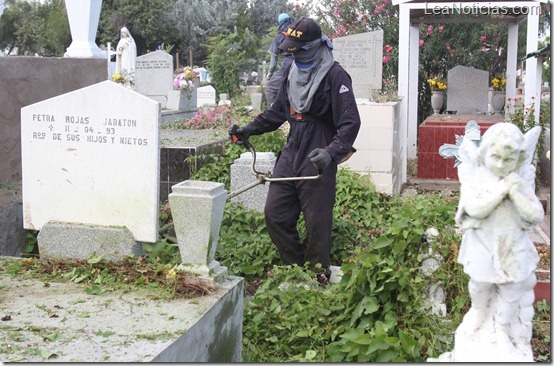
<point x="205" y="96"/>
<point x="91" y="158"/>
<point x="468" y="90"/>
<point x="154" y="75"/>
<point x="361" y="55"/>
<point x="241" y="176"/>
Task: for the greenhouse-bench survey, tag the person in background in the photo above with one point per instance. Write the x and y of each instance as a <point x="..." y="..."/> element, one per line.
<point x="317" y="100"/>
<point x="274" y="79"/>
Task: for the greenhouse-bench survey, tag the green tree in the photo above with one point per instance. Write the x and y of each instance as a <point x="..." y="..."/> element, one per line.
<point x="148" y="21"/>
<point x="33" y="28"/>
<point x="227" y="55"/>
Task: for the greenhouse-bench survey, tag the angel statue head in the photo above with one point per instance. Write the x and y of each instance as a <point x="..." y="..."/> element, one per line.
<point x="502" y="150"/>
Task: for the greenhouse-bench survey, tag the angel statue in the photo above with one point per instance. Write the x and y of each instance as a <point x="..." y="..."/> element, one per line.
<point x="497" y="207"/>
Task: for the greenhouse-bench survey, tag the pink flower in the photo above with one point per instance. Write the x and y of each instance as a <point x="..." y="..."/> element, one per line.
<point x="483" y="38"/>
<point x="421" y="42"/>
<point x="386" y="60"/>
<point x="451" y="54"/>
<point x="388" y="49"/>
<point x="429" y="30"/>
<point x="448" y="47"/>
<point x="336" y="11"/>
<point x="441" y="28"/>
<point x="376" y="12"/>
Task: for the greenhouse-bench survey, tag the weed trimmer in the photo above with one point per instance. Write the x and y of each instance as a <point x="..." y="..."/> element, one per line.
<point x="261" y="178"/>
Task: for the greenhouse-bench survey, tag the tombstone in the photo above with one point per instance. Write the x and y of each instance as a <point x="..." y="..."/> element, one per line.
<point x="154" y="75"/>
<point x="224" y="99"/>
<point x="81" y="178"/>
<point x="241" y="175"/>
<point x="205" y="96"/>
<point x="468" y="90"/>
<point x="83" y="16"/>
<point x="361" y="55"/>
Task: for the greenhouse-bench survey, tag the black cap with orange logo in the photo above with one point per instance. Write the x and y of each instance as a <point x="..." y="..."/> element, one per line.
<point x="299" y="33"/>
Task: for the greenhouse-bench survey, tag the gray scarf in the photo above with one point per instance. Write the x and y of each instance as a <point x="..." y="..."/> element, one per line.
<point x="307" y="72"/>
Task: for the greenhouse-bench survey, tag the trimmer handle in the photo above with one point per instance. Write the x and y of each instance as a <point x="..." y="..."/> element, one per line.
<point x="236" y="138"/>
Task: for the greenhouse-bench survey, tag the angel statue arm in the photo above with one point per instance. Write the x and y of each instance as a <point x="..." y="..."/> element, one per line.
<point x="480" y="193"/>
<point x="522" y="184"/>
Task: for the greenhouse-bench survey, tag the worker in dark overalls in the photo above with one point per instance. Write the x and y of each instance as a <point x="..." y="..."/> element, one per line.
<point x="317" y="100"/>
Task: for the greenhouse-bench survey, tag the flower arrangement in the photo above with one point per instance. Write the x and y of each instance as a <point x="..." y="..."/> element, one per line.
<point x="184" y="79"/>
<point x="121" y="78"/>
<point x="437" y="83"/>
<point x="498" y="83"/>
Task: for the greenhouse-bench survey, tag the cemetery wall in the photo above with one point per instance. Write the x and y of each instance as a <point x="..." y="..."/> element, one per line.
<point x="27" y="80"/>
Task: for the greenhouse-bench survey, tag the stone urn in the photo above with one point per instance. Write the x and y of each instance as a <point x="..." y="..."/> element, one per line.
<point x="497" y="101"/>
<point x="197" y="209"/>
<point x="437" y="101"/>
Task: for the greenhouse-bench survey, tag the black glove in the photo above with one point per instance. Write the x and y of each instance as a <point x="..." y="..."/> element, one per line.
<point x="320" y="158"/>
<point x="239" y="135"/>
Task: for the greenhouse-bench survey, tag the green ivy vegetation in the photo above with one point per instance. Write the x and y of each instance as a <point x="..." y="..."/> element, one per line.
<point x="377" y="312"/>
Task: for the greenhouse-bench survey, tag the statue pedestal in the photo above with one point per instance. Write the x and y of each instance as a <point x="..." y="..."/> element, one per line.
<point x="83" y="22"/>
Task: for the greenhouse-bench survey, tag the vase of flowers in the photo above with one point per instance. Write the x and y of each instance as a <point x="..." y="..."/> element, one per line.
<point x="438" y="86"/>
<point x="183" y="95"/>
<point x="498" y="99"/>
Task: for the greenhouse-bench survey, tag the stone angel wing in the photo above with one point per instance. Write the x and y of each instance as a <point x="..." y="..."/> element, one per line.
<point x="527" y="169"/>
<point x="467" y="153"/>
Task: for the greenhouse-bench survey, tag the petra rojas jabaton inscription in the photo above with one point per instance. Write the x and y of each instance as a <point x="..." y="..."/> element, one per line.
<point x="87" y="129"/>
<point x="497" y="207"/>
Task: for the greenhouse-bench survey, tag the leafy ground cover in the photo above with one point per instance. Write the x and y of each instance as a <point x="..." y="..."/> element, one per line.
<point x="379" y="312"/>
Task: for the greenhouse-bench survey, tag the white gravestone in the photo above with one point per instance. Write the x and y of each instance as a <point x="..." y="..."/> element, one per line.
<point x="205" y="96"/>
<point x="468" y="90"/>
<point x="92" y="157"/>
<point x="154" y="75"/>
<point x="361" y="55"/>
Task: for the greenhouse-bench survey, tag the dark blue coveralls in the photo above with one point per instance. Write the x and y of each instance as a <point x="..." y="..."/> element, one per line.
<point x="332" y="123"/>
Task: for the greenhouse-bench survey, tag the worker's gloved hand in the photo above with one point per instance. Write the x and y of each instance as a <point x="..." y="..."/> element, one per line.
<point x="241" y="134"/>
<point x="320" y="158"/>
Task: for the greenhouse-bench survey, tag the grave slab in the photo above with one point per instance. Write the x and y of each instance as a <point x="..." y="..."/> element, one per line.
<point x="65" y="240"/>
<point x="117" y="326"/>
